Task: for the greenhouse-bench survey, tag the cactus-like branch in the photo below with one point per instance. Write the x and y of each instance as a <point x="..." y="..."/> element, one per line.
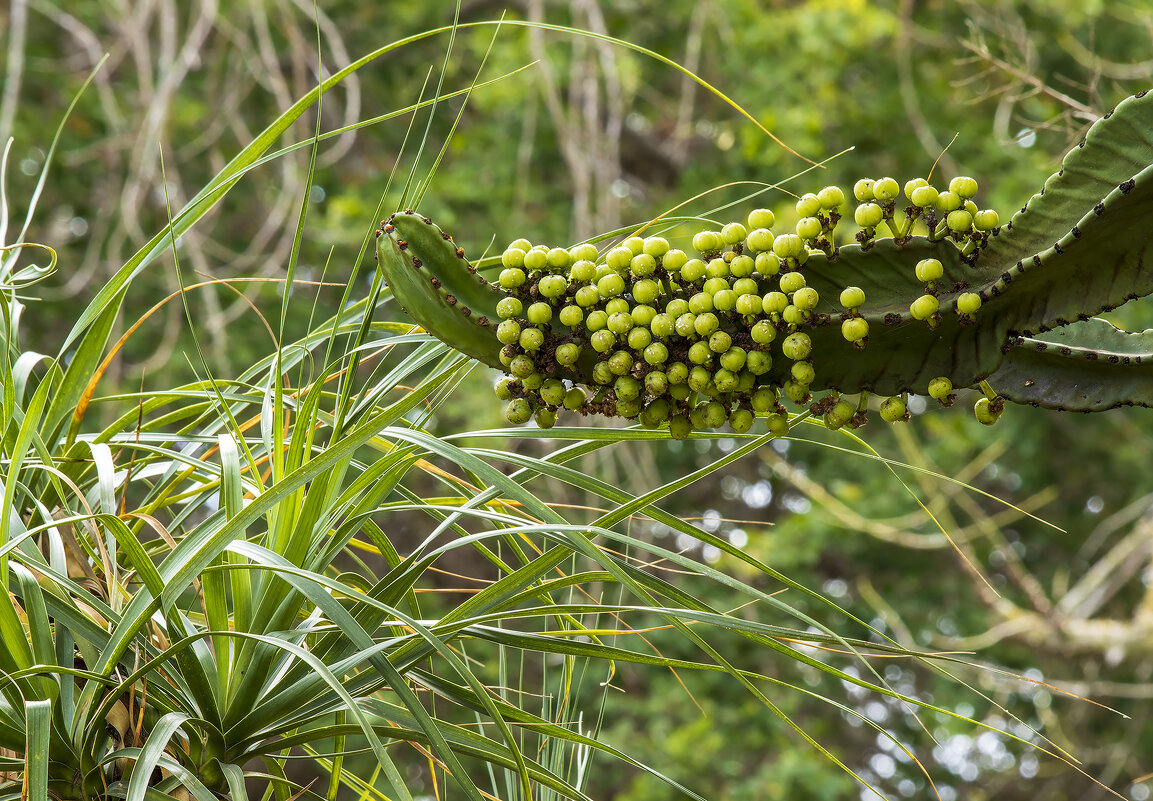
<point x="724" y="332"/>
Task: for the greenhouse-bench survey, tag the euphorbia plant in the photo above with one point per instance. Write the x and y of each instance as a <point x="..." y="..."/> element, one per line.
<point x="746" y="318"/>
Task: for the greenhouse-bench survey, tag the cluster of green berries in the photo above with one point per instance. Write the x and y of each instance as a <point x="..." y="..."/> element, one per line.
<point x="690" y="338"/>
<point x="950" y="213"/>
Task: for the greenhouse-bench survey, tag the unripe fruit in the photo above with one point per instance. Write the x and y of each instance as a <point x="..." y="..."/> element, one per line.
<point x="742" y="266"/>
<point x="929" y="270"/>
<point x="761" y="218"/>
<point x="611" y="285"/>
<point x="654" y="354"/>
<point x="643" y="315"/>
<point x="654" y="414"/>
<point x="535" y="260"/>
<point x="676" y="307"/>
<point x="619" y="258"/>
<point x="912" y="185"/>
<point x="558" y="259"/>
<point x="791" y="282"/>
<point x="700" y="303"/>
<point x="674" y="260"/>
<point x="531" y="339"/>
<point x="642" y="264"/>
<point x="596" y="320"/>
<point x="571" y="316"/>
<point x="768" y="264"/>
<point x="635" y="244"/>
<point x="797" y="346"/>
<point x="511" y="278"/>
<point x="963" y="186"/>
<point x="886" y="189"/>
<point x="626" y="388"/>
<point x="586" y="252"/>
<point x="840" y="414"/>
<point x="855" y="329"/>
<point x="521" y="244"/>
<point x="968" y="303"/>
<point x="924" y="196"/>
<point x="759" y="240"/>
<point x="680" y="427"/>
<point x="988" y="412"/>
<point x="796" y="392"/>
<point x="575" y="399"/>
<point x="741" y="420"/>
<point x="602" y="374"/>
<point x="924" y="307"/>
<point x="678" y="373"/>
<point x="552" y="392"/>
<point x="775" y="302"/>
<point x="831" y="197"/>
<point x="788" y="245"/>
<point x="894" y="410"/>
<point x="707" y="242"/>
<point x="628" y="409"/>
<point x="699" y="378"/>
<point x="620" y="322"/>
<point x="724" y="300"/>
<point x="863" y="190"/>
<point x="715" y="414"/>
<point x="949" y="201"/>
<point x="639" y="338"/>
<point x="512" y="258"/>
<point x="508" y="308"/>
<point x="717" y="278"/>
<point x="733" y="359"/>
<point x="733" y="233"/>
<point x="617" y="305"/>
<point x="621" y="362"/>
<point x="778" y="425"/>
<point x="655" y="246"/>
<point x="725" y="380"/>
<point x="758" y="362"/>
<point x="532" y="382"/>
<point x="763" y="332"/>
<point x="985" y="220"/>
<point x="809" y="228"/>
<point x="705" y="324"/>
<point x="806" y="298"/>
<point x="940" y="389"/>
<point x="587" y="296"/>
<point x="764" y="399"/>
<point x="518" y="411"/>
<point x="749" y="305"/>
<point x="503" y="389"/>
<point x="720" y="341"/>
<point x="568" y="353"/>
<point x="686" y="324"/>
<point x="662" y="326"/>
<point x="852" y="297"/>
<point x="959" y="221"/>
<point x="538" y="313"/>
<point x="868" y="215"/>
<point x="603" y="341"/>
<point x="808" y="205"/>
<point x="803" y="373"/>
<point x="692" y="271"/>
<point x="656" y="383"/>
<point x="508" y="332"/>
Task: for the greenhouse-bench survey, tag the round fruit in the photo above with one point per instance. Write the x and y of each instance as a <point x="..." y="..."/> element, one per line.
<point x="886" y="189"/>
<point x="680" y="427"/>
<point x="538" y="313"/>
<point x="963" y="186"/>
<point x="552" y="392"/>
<point x="763" y="332"/>
<point x="733" y="233"/>
<point x="768" y="264"/>
<point x="715" y="414"/>
<point x="508" y="308"/>
<point x="575" y="399"/>
<point x="791" y="282"/>
<point x="940" y="388"/>
<point x="806" y="298"/>
<point x="513" y="257"/>
<point x="707" y="242"/>
<point x="764" y="399"/>
<point x="797" y="346"/>
<point x="741" y="420"/>
<point x="831" y="197"/>
<point x="571" y="316"/>
<point x="558" y="259"/>
<point x="808" y="205"/>
<point x="868" y="215"/>
<point x="518" y="411"/>
<point x="894" y="410"/>
<point x="655" y="246"/>
<point x="720" y="341"/>
<point x="841" y="413"/>
<point x="929" y="270"/>
<point x="788" y="245"/>
<point x="508" y="332"/>
<point x="968" y="303"/>
<point x="568" y="353"/>
<point x="863" y="190"/>
<point x="924" y="307"/>
<point x="642" y="264"/>
<point x="959" y="221"/>
<point x="809" y="228"/>
<point x="761" y="218"/>
<point x="985" y="220"/>
<point x="760" y="240"/>
<point x="912" y="186"/>
<point x="639" y="338"/>
<point x="503" y="389"/>
<point x="855" y="329"/>
<point x="949" y="201"/>
<point x="531" y="339"/>
<point x="511" y="278"/>
<point x="803" y="373"/>
<point x="656" y="383"/>
<point x="852" y="297"/>
<point x="758" y="362"/>
<point x="924" y="196"/>
<point x="692" y="271"/>
<point x="536" y="260"/>
<point x="778" y="425"/>
<point x="655" y="353"/>
<point x="987" y="411"/>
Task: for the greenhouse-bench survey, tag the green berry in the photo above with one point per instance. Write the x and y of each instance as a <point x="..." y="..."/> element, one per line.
<point x="508" y="332"/>
<point x="741" y="420"/>
<point x="758" y="362"/>
<point x="855" y="329"/>
<point x="760" y="240"/>
<point x="680" y="427"/>
<point x="929" y="270"/>
<point x="674" y="260"/>
<point x="792" y="315"/>
<point x="705" y="324"/>
<point x="715" y="414"/>
<point x="725" y="380"/>
<point x="808" y="205"/>
<point x="803" y="373"/>
<point x="949" y="201"/>
<point x="654" y="414"/>
<point x="806" y="298"/>
<point x="508" y="308"/>
<point x="863" y="190"/>
<point x="717" y="270"/>
<point x="635" y="244"/>
<point x="531" y="339"/>
<point x="768" y="264"/>
<point x="511" y="278"/>
<point x="568" y="353"/>
<point x="763" y="332"/>
<point x="733" y="233"/>
<point x="778" y="425"/>
<point x="643" y="315"/>
<point x="707" y="242"/>
<point x="924" y="196"/>
<point x="894" y="410"/>
<point x="662" y="326"/>
<point x="763" y="399"/>
<point x="700" y="353"/>
<point x="586" y="252"/>
<point x="538" y="313"/>
<point x="678" y="373"/>
<point x="699" y="378"/>
<point x="988" y="412"/>
<point x="841" y="413"/>
<point x="986" y="220"/>
<point x="913" y="185"/>
<point x="603" y="341"/>
<point x="749" y="305"/>
<point x="693" y="270"/>
<point x="788" y="245"/>
<point x="518" y="411"/>
<point x="596" y="320"/>
<point x="724" y="300"/>
<point x="886" y="189"/>
<point x="655" y="246"/>
<point x="571" y="316"/>
<point x="503" y="389"/>
<point x="924" y="307"/>
<point x="621" y="362"/>
<point x="733" y="359"/>
<point x="676" y="307"/>
<point x="963" y="186"/>
<point x="868" y="215"/>
<point x="626" y="388"/>
<point x="512" y="258"/>
<point x="639" y="338"/>
<point x="797" y="346"/>
<point x="742" y="266"/>
<point x="619" y="259"/>
<point x="791" y="282"/>
<point x="686" y="324"/>
<point x="940" y="389"/>
<point x="796" y="392"/>
<point x="809" y="228"/>
<point x="642" y="265"/>
<point x="700" y="303"/>
<point x="552" y="392"/>
<point x="558" y="259"/>
<point x="775" y="302"/>
<point x="720" y="341"/>
<point x="831" y="197"/>
<point x="617" y="306"/>
<point x="602" y="374"/>
<point x="522" y="366"/>
<point x="610" y="286"/>
<point x="959" y="221"/>
<point x="761" y="218"/>
<point x="852" y="297"/>
<point x="587" y="296"/>
<point x="628" y="409"/>
<point x="656" y="383"/>
<point x="968" y="303"/>
<point x="620" y="322"/>
<point x="536" y="260"/>
<point x="575" y="399"/>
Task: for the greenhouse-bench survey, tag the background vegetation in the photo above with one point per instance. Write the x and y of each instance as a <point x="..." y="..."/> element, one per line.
<point x="593" y="137"/>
